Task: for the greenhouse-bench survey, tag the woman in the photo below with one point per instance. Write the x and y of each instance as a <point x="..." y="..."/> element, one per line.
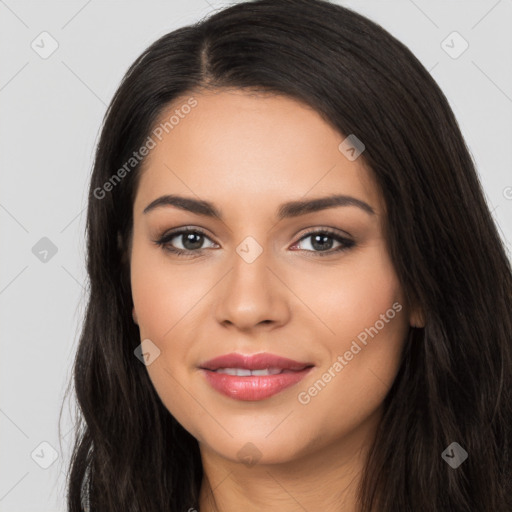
<point x="298" y="296"/>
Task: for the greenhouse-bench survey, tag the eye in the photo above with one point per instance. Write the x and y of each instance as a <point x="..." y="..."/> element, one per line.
<point x="322" y="241"/>
<point x="191" y="241"/>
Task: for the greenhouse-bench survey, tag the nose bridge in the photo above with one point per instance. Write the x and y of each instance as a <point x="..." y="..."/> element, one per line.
<point x="250" y="264"/>
<point x="251" y="293"/>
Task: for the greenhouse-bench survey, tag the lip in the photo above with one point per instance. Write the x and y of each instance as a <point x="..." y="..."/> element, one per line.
<point x="254" y="387"/>
<point x="253" y="362"/>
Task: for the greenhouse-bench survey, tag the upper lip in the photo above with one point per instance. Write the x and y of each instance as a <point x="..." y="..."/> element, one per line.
<point x="259" y="361"/>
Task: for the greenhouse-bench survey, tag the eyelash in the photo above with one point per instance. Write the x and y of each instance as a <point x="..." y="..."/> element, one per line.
<point x="164" y="240"/>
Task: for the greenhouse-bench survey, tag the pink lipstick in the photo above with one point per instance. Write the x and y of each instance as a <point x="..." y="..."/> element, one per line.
<point x="253" y="377"/>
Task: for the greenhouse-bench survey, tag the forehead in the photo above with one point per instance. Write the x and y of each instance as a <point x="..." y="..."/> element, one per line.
<point x="258" y="149"/>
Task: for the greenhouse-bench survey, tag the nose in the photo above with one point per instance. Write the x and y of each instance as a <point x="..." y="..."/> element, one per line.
<point x="253" y="295"/>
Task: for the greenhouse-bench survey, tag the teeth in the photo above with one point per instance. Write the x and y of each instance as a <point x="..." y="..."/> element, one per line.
<point x="243" y="372"/>
<point x="266" y="371"/>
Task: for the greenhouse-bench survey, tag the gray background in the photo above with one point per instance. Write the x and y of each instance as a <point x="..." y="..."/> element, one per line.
<point x="51" y="113"/>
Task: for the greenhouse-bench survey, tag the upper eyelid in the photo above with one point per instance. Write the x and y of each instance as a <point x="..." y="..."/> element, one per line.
<point x="180" y="231"/>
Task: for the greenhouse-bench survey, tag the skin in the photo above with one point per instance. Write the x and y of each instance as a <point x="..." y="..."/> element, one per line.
<point x="247" y="154"/>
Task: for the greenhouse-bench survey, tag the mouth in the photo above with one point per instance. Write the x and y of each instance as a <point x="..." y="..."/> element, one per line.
<point x="244" y="372"/>
<point x="253" y="377"/>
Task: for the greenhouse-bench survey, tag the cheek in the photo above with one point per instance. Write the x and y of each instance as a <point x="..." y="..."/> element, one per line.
<point x="376" y="320"/>
<point x="164" y="298"/>
<point x="162" y="293"/>
<point x="350" y="297"/>
<point x="363" y="307"/>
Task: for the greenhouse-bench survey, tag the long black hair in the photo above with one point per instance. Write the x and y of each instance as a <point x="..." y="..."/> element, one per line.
<point x="455" y="380"/>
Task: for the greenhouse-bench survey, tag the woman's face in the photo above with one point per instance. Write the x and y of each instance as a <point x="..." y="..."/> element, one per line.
<point x="254" y="281"/>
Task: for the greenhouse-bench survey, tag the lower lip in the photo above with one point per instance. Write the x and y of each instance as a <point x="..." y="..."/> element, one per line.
<point x="253" y="387"/>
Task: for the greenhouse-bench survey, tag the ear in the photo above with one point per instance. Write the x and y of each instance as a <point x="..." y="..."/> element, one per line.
<point x="417" y="318"/>
<point x="134" y="316"/>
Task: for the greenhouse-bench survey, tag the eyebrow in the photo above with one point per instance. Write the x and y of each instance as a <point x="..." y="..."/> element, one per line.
<point x="286" y="210"/>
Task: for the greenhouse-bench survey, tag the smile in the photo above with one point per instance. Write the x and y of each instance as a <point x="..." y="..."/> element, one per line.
<point x="253" y="377"/>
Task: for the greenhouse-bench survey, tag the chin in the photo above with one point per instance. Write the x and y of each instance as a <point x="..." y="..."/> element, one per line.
<point x="257" y="449"/>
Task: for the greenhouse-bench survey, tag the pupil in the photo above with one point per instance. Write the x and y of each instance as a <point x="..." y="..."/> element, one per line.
<point x="324" y="240"/>
<point x="189" y="239"/>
